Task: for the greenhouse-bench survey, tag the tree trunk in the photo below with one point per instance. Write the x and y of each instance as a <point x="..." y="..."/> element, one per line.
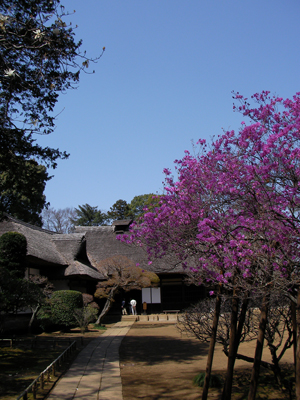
<point x="107" y="305"/>
<point x="33" y="317"/>
<point x="104" y="311"/>
<point x="242" y="318"/>
<point x="212" y="343"/>
<point x="226" y="395"/>
<point x="259" y="348"/>
<point x="294" y="324"/>
<point x="297" y="374"/>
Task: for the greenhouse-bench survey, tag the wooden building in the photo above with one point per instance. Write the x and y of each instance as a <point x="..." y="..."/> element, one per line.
<point x="71" y="261"/>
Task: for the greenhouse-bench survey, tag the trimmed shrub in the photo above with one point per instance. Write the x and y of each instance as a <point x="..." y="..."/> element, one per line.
<point x="13" y="249"/>
<point x="63" y="304"/>
<point x="60" y="308"/>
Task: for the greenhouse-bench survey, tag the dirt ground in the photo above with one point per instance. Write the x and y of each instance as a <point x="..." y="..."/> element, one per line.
<point x="158" y="362"/>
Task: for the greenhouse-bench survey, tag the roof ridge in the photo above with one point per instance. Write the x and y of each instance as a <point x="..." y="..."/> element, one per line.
<point x="37" y="228"/>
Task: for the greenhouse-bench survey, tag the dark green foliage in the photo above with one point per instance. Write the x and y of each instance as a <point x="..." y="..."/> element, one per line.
<point x="141" y="204"/>
<point x="87" y="215"/>
<point x="22" y="185"/>
<point x="63" y="304"/>
<point x="215" y="380"/>
<point x="119" y="210"/>
<point x="59" y="309"/>
<point x="39" y="59"/>
<point x="13" y="249"/>
<point x="16" y="293"/>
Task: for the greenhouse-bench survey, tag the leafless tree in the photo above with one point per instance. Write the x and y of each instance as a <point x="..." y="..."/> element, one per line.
<point x="60" y="220"/>
<point x="122" y="273"/>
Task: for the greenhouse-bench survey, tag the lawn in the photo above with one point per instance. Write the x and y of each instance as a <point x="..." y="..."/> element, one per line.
<point x="21" y="364"/>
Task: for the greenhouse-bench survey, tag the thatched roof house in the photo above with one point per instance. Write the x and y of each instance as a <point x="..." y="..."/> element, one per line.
<point x="62" y="258"/>
<point x="75" y="260"/>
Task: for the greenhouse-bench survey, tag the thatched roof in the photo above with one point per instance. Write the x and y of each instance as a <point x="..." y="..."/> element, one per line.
<point x="81" y="269"/>
<point x="71" y="245"/>
<point x="39" y="243"/>
<point x="46" y="248"/>
<point x="102" y="243"/>
<point x="82" y="252"/>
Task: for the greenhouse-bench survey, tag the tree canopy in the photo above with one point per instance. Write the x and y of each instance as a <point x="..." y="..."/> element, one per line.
<point x="122" y="273"/>
<point x="59" y="220"/>
<point x="39" y="59"/>
<point x="16" y="293"/>
<point x="232" y="217"/>
<point x="87" y="215"/>
<point x="141" y="204"/>
<point x="119" y="210"/>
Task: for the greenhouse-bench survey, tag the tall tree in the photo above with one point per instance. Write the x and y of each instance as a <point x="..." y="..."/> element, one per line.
<point x="87" y="215"/>
<point x="22" y="189"/>
<point x="119" y="210"/>
<point x="141" y="204"/>
<point x="59" y="220"/>
<point x="39" y="59"/>
<point x="232" y="217"/>
<point x="16" y="292"/>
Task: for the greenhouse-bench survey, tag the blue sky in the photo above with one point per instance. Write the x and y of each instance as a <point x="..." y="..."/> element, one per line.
<point x="164" y="81"/>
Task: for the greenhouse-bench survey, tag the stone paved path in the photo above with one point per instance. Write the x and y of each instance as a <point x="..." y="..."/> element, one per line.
<point x="95" y="373"/>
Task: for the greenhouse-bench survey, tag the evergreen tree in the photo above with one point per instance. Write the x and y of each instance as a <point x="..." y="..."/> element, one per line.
<point x="39" y="59"/>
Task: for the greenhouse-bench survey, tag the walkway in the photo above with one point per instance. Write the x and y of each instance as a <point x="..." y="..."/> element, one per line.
<point x="95" y="374"/>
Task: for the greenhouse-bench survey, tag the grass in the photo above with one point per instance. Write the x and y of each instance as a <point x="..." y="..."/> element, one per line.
<point x="214" y="382"/>
<point x="20" y="365"/>
<point x="267" y="386"/>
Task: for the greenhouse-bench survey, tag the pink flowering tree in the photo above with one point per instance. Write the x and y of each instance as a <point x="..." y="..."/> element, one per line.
<point x="232" y="217"/>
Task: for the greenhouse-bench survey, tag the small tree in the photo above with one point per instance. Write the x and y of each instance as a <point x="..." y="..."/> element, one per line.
<point x="43" y="290"/>
<point x="84" y="316"/>
<point x="123" y="274"/>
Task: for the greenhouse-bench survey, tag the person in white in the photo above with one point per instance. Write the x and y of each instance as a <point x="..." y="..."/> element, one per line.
<point x="133" y="306"/>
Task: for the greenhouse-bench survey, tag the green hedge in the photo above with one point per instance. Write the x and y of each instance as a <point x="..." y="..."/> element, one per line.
<point x="13" y="249"/>
<point x="59" y="309"/>
<point x="63" y="303"/>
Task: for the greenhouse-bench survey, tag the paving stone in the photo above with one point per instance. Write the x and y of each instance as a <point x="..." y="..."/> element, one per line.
<point x="97" y="364"/>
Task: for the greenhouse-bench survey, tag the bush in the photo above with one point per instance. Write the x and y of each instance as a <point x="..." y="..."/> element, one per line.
<point x="44" y="316"/>
<point x="59" y="309"/>
<point x="63" y="303"/>
<point x="88" y="300"/>
<point x="13" y="249"/>
<point x="84" y="316"/>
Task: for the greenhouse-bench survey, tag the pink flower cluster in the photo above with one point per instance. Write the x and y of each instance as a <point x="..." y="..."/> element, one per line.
<point x="232" y="215"/>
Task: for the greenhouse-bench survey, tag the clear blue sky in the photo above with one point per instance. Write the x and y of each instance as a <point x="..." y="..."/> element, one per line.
<point x="165" y="79"/>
